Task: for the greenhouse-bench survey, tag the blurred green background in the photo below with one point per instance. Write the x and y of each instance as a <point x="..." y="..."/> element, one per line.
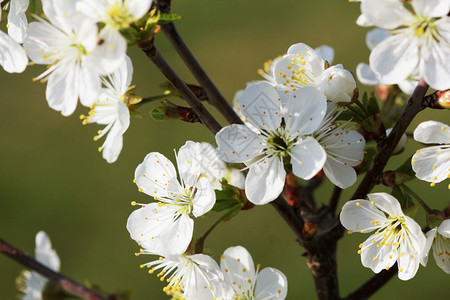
<point x="53" y="178"/>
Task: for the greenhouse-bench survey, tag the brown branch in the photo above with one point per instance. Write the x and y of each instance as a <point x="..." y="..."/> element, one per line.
<point x="386" y="146"/>
<point x="334" y="200"/>
<point x="373" y="284"/>
<point x="289" y="215"/>
<point x="214" y="95"/>
<point x="205" y="116"/>
<point x="65" y="282"/>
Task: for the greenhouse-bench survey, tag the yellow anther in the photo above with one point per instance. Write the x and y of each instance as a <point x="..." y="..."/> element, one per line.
<point x="100" y="149"/>
<point x="358" y="204"/>
<point x="133" y="203"/>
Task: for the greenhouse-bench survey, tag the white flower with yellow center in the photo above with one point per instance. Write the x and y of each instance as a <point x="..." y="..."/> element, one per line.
<point x="432" y="164"/>
<point x="17" y="19"/>
<point x="439" y="239"/>
<point x="75" y="54"/>
<point x="397" y="238"/>
<point x="110" y="110"/>
<point x="32" y="284"/>
<point x="166" y="226"/>
<point x="248" y="283"/>
<point x="278" y="135"/>
<point x="190" y="277"/>
<point x="420" y="39"/>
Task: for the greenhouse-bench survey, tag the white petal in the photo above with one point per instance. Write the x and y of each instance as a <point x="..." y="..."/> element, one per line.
<point x="12" y="56"/>
<point x="307" y="158"/>
<point x="62" y="89"/>
<point x="44" y="252"/>
<point x="237" y="143"/>
<point x="17" y="20"/>
<point x="375" y="36"/>
<point x="357" y="215"/>
<point x="363" y="21"/>
<point x="271" y="284"/>
<point x="387" y="14"/>
<point x="444" y="228"/>
<point x="305" y="110"/>
<point x="430" y="238"/>
<point x="204" y="199"/>
<point x="189" y="166"/>
<point x="386" y="203"/>
<point x="265" y="180"/>
<point x="89" y="86"/>
<point x="62" y="14"/>
<point x="110" y="54"/>
<point x="432" y="132"/>
<point x="395" y="58"/>
<point x="339" y="174"/>
<point x="237" y="265"/>
<point x="158" y="231"/>
<point x="432" y="164"/>
<point x="260" y="105"/>
<point x="346" y="146"/>
<point x="138" y="8"/>
<point x="154" y="173"/>
<point x="441" y="250"/>
<point x="434" y="64"/>
<point x="366" y="75"/>
<point x="376" y="256"/>
<point x="310" y="55"/>
<point x="431" y="8"/>
<point x="326" y="52"/>
<point x="408" y="85"/>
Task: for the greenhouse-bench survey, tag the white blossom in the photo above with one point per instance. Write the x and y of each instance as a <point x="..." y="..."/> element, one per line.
<point x="338" y="84"/>
<point x="17" y="19"/>
<point x="248" y="283"/>
<point x="13" y="58"/>
<point x="265" y="146"/>
<point x="439" y="239"/>
<point x="166" y="226"/>
<point x="432" y="164"/>
<point x="34" y="283"/>
<point x="397" y="238"/>
<point x="76" y="55"/>
<point x="110" y="110"/>
<point x="419" y="40"/>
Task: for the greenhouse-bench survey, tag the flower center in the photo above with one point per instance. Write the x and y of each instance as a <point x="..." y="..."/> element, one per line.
<point x="118" y="16"/>
<point x="279" y="143"/>
<point x="425" y="27"/>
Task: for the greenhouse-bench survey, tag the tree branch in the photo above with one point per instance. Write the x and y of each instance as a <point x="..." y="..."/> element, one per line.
<point x="289" y="215"/>
<point x="65" y="282"/>
<point x="205" y="116"/>
<point x="385" y="148"/>
<point x="214" y="95"/>
<point x="334" y="200"/>
<point x="373" y="284"/>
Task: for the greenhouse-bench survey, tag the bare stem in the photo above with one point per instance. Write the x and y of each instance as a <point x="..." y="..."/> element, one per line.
<point x="373" y="284"/>
<point x="214" y="95"/>
<point x="65" y="282"/>
<point x="334" y="200"/>
<point x="205" y="116"/>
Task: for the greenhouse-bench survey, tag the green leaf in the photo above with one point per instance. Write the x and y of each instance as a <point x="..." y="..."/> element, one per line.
<point x="406" y="167"/>
<point x="33" y="7"/>
<point x="346" y="116"/>
<point x="168" y="18"/>
<point x="224" y="204"/>
<point x="372" y="106"/>
<point x="411" y="211"/>
<point x="433" y="221"/>
<point x="158" y="114"/>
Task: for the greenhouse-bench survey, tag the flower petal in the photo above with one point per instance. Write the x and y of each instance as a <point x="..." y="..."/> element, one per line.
<point x="154" y="173"/>
<point x="204" y="199"/>
<point x="271" y="284"/>
<point x="238" y="268"/>
<point x="387" y="14"/>
<point x="305" y="110"/>
<point x="307" y="158"/>
<point x="361" y="215"/>
<point x="432" y="164"/>
<point x="434" y="63"/>
<point x="265" y="180"/>
<point x="12" y="56"/>
<point x="260" y="105"/>
<point x="17" y="20"/>
<point x="339" y="174"/>
<point x="375" y="255"/>
<point x="395" y="58"/>
<point x="386" y="203"/>
<point x="366" y="75"/>
<point x="237" y="143"/>
<point x="326" y="52"/>
<point x="44" y="252"/>
<point x="444" y="228"/>
<point x="375" y="36"/>
<point x="138" y="8"/>
<point x="431" y="8"/>
<point x="432" y="132"/>
<point x="311" y="56"/>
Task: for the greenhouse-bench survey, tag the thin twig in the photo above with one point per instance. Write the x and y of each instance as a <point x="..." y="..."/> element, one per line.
<point x="214" y="95"/>
<point x="288" y="214"/>
<point x="65" y="282"/>
<point x="373" y="284"/>
<point x="205" y="116"/>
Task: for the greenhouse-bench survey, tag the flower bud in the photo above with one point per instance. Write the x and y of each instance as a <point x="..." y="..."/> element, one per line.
<point x="338" y="84"/>
<point x="401" y="144"/>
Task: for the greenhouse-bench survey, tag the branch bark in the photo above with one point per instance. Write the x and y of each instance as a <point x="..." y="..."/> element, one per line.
<point x="65" y="282"/>
<point x="205" y="116"/>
